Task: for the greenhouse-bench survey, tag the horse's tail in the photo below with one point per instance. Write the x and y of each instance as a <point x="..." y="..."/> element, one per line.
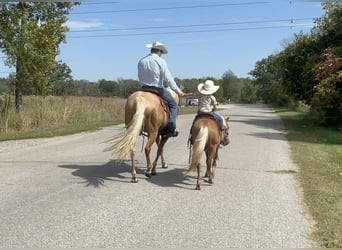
<point x="198" y="148"/>
<point x="125" y="141"/>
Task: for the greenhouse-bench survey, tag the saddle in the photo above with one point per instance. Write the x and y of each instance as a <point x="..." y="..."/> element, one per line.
<point x="163" y="103"/>
<point x="204" y="115"/>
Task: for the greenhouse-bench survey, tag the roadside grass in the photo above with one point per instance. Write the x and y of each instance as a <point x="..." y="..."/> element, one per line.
<point x="57" y="131"/>
<point x="55" y="116"/>
<point x="187" y="110"/>
<point x="318" y="153"/>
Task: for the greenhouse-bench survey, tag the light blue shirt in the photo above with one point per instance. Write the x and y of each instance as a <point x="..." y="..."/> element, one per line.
<point x="153" y="71"/>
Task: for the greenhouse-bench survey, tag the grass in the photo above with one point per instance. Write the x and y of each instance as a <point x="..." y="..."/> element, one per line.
<point x="188" y="110"/>
<point x="54" y="116"/>
<point x="318" y="153"/>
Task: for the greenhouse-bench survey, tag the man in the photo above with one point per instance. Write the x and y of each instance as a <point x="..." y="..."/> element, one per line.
<point x="152" y="72"/>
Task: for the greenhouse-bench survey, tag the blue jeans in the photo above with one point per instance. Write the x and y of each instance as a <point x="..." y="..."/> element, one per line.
<point x="217" y="117"/>
<point x="173" y="107"/>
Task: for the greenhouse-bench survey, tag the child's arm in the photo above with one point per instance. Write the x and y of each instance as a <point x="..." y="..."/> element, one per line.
<point x="213" y="103"/>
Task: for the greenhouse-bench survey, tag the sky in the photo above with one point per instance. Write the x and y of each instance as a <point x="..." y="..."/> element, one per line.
<point x="204" y="38"/>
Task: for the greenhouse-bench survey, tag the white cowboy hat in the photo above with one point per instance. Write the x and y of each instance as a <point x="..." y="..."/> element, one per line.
<point x="207" y="88"/>
<point x="157" y="45"/>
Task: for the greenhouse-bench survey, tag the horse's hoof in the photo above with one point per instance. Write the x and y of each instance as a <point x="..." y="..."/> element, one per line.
<point x="134" y="180"/>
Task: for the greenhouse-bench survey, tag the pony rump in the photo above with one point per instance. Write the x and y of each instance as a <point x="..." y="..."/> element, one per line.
<point x="206" y="136"/>
<point x="125" y="141"/>
<point x="198" y="148"/>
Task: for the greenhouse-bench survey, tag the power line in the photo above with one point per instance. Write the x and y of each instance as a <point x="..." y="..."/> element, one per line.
<point x="194" y="25"/>
<point x="187" y="32"/>
<point x="167" y="8"/>
<point x="93" y="3"/>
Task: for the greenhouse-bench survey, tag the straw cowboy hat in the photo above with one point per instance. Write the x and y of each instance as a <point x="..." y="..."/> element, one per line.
<point x="207" y="88"/>
<point x="157" y="45"/>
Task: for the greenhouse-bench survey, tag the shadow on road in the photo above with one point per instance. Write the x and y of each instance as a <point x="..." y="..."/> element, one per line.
<point x="97" y="175"/>
<point x="265" y="122"/>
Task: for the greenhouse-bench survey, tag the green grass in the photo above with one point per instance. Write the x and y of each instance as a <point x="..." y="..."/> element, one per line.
<point x="188" y="110"/>
<point x="318" y="153"/>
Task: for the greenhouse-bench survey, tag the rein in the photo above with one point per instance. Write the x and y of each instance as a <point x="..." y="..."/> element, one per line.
<point x="190" y="148"/>
<point x="143" y="134"/>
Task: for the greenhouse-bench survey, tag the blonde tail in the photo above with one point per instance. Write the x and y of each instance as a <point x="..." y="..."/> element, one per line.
<point x="125" y="141"/>
<point x="198" y="148"/>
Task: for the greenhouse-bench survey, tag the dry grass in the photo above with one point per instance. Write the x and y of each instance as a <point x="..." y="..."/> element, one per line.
<point x="51" y="113"/>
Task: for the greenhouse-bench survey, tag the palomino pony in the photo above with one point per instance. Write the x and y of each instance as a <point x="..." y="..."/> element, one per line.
<point x="206" y="136"/>
<point x="145" y="113"/>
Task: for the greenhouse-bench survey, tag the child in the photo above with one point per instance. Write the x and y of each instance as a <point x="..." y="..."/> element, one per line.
<point x="207" y="102"/>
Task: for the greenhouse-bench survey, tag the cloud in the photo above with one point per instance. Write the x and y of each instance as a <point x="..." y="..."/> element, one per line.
<point x="84" y="25"/>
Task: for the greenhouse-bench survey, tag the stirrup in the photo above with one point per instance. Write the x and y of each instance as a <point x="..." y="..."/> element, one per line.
<point x="174" y="134"/>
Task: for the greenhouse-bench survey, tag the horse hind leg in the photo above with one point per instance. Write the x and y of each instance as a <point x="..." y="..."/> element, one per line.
<point x="207" y="172"/>
<point x="198" y="187"/>
<point x="210" y="169"/>
<point x="134" y="178"/>
<point x="161" y="143"/>
<point x="151" y="139"/>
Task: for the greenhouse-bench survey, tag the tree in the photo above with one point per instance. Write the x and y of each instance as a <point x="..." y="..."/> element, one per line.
<point x="61" y="80"/>
<point x="328" y="28"/>
<point x="189" y="85"/>
<point x="128" y="86"/>
<point x="231" y="86"/>
<point x="248" y="92"/>
<point x="108" y="88"/>
<point x="327" y="97"/>
<point x="296" y="63"/>
<point x="30" y="34"/>
<point x="309" y="68"/>
<point x="267" y="75"/>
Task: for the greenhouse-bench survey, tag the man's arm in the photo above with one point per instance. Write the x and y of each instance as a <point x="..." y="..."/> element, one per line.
<point x="171" y="82"/>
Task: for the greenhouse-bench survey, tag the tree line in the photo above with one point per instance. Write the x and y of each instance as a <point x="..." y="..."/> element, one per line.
<point x="307" y="70"/>
<point x="232" y="89"/>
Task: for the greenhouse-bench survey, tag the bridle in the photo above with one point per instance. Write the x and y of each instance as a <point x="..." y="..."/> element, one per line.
<point x="224" y="135"/>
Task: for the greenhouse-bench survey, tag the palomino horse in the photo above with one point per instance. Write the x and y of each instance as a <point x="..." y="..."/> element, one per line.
<point x="145" y="112"/>
<point x="206" y="136"/>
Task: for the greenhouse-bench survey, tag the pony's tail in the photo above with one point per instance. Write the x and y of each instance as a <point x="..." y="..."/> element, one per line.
<point x="198" y="148"/>
<point x="125" y="141"/>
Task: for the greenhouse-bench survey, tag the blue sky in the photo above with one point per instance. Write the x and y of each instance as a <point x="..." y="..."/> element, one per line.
<point x="205" y="38"/>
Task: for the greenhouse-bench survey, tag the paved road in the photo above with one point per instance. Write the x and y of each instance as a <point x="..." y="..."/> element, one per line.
<point x="67" y="192"/>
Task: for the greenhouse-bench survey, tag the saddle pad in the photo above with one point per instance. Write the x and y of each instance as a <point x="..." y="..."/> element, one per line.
<point x="163" y="103"/>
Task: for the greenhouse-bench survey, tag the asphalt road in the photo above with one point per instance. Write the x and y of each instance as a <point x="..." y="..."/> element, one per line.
<point x="68" y="192"/>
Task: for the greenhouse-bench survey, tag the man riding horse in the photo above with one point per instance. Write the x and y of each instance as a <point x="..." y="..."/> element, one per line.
<point x="152" y="72"/>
